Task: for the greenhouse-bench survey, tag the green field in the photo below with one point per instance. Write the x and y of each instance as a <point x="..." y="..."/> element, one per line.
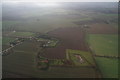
<point x="22" y="34"/>
<point x="103" y="44"/>
<point x="108" y="67"/>
<point x="6" y="40"/>
<point x="56" y="62"/>
<point x="52" y="42"/>
<point x="86" y="56"/>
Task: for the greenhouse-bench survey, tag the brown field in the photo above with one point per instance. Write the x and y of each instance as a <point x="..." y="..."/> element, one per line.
<point x="102" y="29"/>
<point x="70" y="38"/>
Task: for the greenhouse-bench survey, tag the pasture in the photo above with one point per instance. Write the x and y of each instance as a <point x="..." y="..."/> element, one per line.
<point x="104" y="44"/>
<point x="49" y="42"/>
<point x="108" y="67"/>
<point x="21" y="34"/>
<point x="5" y="42"/>
<point x="56" y="62"/>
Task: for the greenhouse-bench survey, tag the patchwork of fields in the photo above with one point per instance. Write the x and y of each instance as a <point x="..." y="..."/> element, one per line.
<point x="23" y="62"/>
<point x="23" y="59"/>
<point x="108" y="67"/>
<point x="105" y="50"/>
<point x="74" y="41"/>
<point x="70" y="38"/>
<point x="104" y="44"/>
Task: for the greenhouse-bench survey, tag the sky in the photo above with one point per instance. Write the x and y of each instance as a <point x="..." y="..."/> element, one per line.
<point x="60" y="0"/>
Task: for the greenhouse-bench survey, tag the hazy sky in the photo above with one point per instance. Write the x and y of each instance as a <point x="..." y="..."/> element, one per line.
<point x="61" y="0"/>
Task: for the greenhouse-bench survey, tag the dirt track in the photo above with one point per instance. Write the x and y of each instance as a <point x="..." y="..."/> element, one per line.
<point x="70" y="38"/>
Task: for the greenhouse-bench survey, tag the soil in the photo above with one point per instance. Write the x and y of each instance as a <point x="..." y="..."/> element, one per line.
<point x="70" y="38"/>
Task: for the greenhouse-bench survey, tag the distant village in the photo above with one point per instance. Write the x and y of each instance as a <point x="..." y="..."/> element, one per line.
<point x="17" y="41"/>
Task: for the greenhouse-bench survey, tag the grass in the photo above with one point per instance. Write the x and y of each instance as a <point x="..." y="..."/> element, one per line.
<point x="23" y="34"/>
<point x="86" y="56"/>
<point x="56" y="62"/>
<point x="6" y="40"/>
<point x="103" y="44"/>
<point x="52" y="42"/>
<point x="108" y="67"/>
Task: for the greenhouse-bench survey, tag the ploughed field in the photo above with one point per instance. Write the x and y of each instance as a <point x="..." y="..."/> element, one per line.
<point x="102" y="28"/>
<point x="70" y="38"/>
<point x="22" y="61"/>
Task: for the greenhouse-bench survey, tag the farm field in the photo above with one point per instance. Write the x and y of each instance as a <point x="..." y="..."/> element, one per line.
<point x="60" y="40"/>
<point x="23" y="62"/>
<point x="50" y="42"/>
<point x="23" y="34"/>
<point x="70" y="38"/>
<point x="102" y="28"/>
<point x="28" y="46"/>
<point x="6" y="40"/>
<point x="106" y="68"/>
<point x="28" y="51"/>
<point x="22" y="59"/>
<point x="19" y="34"/>
<point x="104" y="44"/>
